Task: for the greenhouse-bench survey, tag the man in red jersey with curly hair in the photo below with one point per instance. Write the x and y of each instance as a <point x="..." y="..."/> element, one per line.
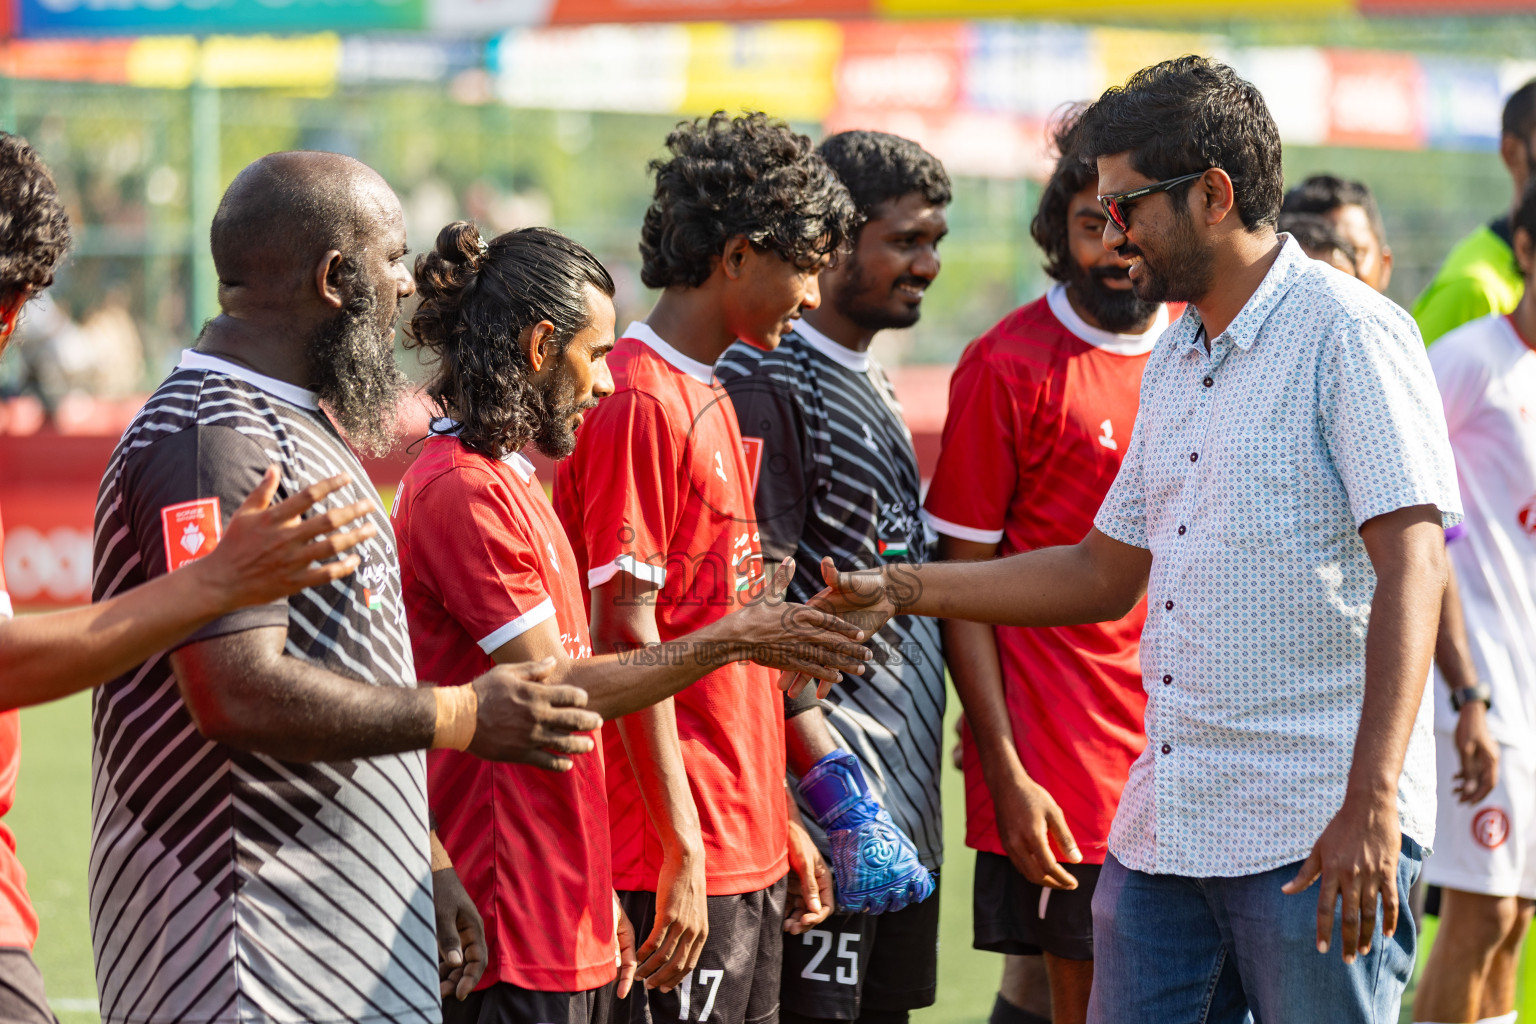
<point x="657" y="501"/>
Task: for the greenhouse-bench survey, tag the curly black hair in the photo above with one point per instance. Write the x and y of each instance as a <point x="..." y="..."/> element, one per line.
<point x="477" y="299"/>
<point x="1324" y="193"/>
<point x="1186" y="115"/>
<point x="877" y="167"/>
<point x="1071" y="175"/>
<point x="34" y="229"/>
<point x="727" y="176"/>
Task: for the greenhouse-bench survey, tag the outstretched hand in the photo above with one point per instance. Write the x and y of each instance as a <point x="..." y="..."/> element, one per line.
<point x="861" y="598"/>
<point x="270" y="551"/>
<point x="797" y="638"/>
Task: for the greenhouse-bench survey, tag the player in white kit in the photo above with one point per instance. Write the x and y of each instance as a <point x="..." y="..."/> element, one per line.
<point x="1485" y="837"/>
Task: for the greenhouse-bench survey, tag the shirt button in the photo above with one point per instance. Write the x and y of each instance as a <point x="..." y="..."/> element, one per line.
<point x="1208" y="382"/>
<point x="1181" y="531"/>
<point x="1167" y="749"/>
<point x="1168" y="605"/>
<point x="1194" y="456"/>
<point x="1167" y="680"/>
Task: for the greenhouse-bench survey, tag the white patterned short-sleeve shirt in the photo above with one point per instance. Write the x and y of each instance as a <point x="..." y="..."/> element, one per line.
<point x="1249" y="473"/>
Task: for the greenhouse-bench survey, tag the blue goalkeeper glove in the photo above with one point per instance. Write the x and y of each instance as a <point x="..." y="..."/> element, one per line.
<point x="874" y="864"/>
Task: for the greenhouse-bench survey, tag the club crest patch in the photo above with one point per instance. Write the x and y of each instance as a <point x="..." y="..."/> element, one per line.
<point x="752" y="448"/>
<point x="191" y="530"/>
<point x="1490" y="827"/>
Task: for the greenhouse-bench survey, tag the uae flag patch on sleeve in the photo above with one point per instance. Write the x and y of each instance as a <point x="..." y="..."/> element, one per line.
<point x="191" y="529"/>
<point x="891" y="548"/>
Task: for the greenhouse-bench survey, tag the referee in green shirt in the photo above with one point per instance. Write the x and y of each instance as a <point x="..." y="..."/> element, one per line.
<point x="1480" y="275"/>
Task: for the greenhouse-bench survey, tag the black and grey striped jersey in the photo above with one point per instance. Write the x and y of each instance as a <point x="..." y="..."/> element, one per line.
<point x="835" y="475"/>
<point x="228" y="886"/>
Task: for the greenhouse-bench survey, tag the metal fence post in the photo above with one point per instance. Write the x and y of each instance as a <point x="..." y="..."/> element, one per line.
<point x="206" y="178"/>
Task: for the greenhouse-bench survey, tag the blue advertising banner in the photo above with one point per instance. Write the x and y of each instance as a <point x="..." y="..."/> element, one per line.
<point x="203" y="17"/>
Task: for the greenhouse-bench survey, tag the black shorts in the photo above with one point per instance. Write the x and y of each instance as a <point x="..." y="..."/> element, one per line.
<point x="505" y="1003"/>
<point x="22" y="999"/>
<point x="1013" y="915"/>
<point x="736" y="980"/>
<point x="851" y="963"/>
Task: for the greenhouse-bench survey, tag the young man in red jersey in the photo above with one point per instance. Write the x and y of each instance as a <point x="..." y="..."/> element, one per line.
<point x="521" y="327"/>
<point x="1040" y="413"/>
<point x="258" y="554"/>
<point x="657" y="501"/>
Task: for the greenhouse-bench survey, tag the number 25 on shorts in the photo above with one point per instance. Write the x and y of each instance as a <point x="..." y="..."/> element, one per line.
<point x="847" y="959"/>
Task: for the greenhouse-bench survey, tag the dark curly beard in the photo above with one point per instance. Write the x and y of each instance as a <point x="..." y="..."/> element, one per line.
<point x="555" y="438"/>
<point x="1117" y="311"/>
<point x="352" y="360"/>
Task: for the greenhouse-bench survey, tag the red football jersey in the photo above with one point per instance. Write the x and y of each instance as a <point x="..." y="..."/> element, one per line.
<point x="18" y="921"/>
<point x="658" y="489"/>
<point x="1040" y="413"/>
<point x="482" y="560"/>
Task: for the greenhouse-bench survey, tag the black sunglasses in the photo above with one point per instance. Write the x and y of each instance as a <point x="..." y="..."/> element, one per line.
<point x="1115" y="205"/>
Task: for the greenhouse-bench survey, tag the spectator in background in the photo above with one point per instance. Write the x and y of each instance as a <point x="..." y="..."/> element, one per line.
<point x="1485" y="858"/>
<point x="1480" y="276"/>
<point x="1320" y="240"/>
<point x="1350" y="209"/>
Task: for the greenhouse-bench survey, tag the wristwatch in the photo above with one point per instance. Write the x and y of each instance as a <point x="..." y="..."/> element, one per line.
<point x="1464" y="695"/>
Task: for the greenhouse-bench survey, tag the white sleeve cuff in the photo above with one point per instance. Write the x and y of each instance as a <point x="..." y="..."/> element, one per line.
<point x="643" y="571"/>
<point x="5" y="605"/>
<point x="545" y="609"/>
<point x="959" y="532"/>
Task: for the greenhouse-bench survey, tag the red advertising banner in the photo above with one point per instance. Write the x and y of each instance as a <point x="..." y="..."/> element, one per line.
<point x="66" y="60"/>
<point x="1377" y="99"/>
<point x="902" y="65"/>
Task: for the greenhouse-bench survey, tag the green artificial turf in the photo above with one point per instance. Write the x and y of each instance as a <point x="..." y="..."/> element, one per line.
<point x="52" y="824"/>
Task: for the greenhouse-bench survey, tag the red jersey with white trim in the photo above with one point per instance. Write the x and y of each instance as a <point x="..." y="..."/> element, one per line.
<point x="483" y="560"/>
<point x="18" y="921"/>
<point x="658" y="490"/>
<point x="1040" y="414"/>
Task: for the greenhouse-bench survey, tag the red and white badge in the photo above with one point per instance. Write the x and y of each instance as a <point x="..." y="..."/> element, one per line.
<point x="192" y="529"/>
<point x="752" y="448"/>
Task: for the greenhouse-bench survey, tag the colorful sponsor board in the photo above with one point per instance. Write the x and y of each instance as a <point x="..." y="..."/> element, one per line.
<point x="207" y="17"/>
<point x="946" y="77"/>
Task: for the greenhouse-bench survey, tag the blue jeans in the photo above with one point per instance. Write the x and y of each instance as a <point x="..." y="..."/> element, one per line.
<point x="1174" y="950"/>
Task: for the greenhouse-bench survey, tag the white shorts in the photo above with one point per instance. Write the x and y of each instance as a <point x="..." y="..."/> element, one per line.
<point x="1487" y="848"/>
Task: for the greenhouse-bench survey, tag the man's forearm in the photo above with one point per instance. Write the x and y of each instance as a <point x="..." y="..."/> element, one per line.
<point x="283" y="707"/>
<point x="45" y="657"/>
<point x="651" y="741"/>
<point x="1453" y="652"/>
<point x="621" y="684"/>
<point x="1405" y="614"/>
<point x="1097" y="580"/>
<point x="807" y="740"/>
<point x="970" y="649"/>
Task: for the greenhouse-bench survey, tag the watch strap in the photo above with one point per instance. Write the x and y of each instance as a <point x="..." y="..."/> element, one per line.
<point x="1461" y="696"/>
